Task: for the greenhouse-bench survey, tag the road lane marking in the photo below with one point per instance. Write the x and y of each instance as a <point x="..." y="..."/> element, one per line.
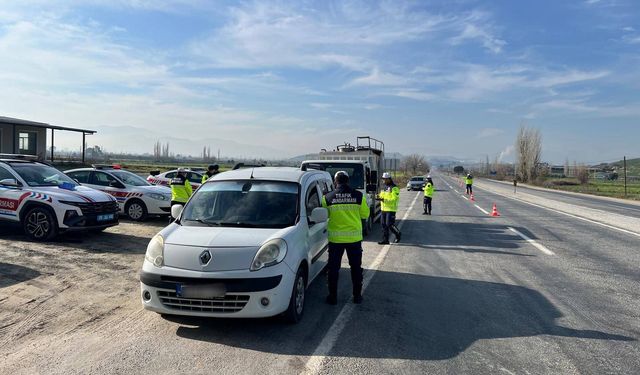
<point x="464" y="197"/>
<point x="482" y="209"/>
<point x="314" y="364"/>
<point x="532" y="242"/>
<point x="567" y="214"/>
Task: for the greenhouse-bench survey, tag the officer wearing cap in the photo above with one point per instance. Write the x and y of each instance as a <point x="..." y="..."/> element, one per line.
<point x="347" y="208"/>
<point x="180" y="188"/>
<point x="211" y="171"/>
<point x="389" y="206"/>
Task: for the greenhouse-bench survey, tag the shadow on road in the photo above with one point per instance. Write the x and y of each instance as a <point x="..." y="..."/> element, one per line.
<point x="405" y="316"/>
<point x="14" y="274"/>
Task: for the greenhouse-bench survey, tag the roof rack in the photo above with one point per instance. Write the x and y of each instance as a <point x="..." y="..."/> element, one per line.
<point x="243" y="165"/>
<point x="369" y="143"/>
<point x="19" y="157"/>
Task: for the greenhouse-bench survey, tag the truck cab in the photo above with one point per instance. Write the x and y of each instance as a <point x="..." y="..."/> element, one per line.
<point x="364" y="162"/>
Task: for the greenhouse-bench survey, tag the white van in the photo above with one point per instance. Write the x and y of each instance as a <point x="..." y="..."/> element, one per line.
<point x="247" y="244"/>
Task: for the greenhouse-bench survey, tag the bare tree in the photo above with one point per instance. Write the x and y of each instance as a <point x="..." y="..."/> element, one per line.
<point x="582" y="174"/>
<point x="415" y="164"/>
<point x="528" y="153"/>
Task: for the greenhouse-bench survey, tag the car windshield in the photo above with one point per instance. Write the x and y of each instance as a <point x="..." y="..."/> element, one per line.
<point x="131" y="179"/>
<point x="417" y="179"/>
<point x="354" y="170"/>
<point x="41" y="175"/>
<point x="248" y="204"/>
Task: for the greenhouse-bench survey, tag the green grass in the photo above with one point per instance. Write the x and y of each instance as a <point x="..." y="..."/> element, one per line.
<point x="614" y="189"/>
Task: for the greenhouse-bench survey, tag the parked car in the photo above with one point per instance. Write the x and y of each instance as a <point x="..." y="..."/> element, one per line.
<point x="416" y="183"/>
<point x="47" y="202"/>
<point x="136" y="197"/>
<point x="247" y="244"/>
<point x="157" y="178"/>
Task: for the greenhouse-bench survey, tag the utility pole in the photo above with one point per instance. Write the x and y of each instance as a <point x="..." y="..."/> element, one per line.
<point x="625" y="175"/>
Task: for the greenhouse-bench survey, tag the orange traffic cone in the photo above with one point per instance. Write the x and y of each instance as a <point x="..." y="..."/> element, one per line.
<point x="495" y="210"/>
<point x="472" y="200"/>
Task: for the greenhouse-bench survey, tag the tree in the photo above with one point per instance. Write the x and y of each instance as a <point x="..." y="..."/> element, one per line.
<point x="528" y="153"/>
<point x="414" y="164"/>
<point x="582" y="174"/>
<point x="458" y="169"/>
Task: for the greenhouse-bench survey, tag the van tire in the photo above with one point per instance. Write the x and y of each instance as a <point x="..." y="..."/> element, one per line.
<point x="295" y="311"/>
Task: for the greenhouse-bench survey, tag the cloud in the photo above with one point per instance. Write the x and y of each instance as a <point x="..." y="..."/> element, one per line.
<point x="489" y="132"/>
<point x="378" y="78"/>
<point x="508" y="151"/>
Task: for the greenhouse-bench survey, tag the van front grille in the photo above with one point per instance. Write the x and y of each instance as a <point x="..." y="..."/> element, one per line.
<point x="230" y="303"/>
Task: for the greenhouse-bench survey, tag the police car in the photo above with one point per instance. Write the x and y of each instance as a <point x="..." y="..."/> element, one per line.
<point x="164" y="179"/>
<point x="46" y="202"/>
<point x="136" y="197"/>
<point x="247" y="244"/>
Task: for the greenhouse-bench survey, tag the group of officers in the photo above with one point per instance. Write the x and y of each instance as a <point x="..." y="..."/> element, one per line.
<point x="181" y="189"/>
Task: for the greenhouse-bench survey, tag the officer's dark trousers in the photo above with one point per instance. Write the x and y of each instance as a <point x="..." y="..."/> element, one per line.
<point x="354" y="253"/>
<point x="388" y="221"/>
<point x="427" y="205"/>
<point x="469" y="189"/>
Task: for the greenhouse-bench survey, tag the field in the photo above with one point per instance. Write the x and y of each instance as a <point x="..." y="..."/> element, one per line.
<point x="614" y="189"/>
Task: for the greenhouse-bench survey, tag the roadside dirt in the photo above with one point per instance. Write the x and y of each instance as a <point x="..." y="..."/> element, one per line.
<point x="54" y="292"/>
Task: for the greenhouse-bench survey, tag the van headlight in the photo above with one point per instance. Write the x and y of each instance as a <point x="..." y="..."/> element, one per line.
<point x="155" y="251"/>
<point x="269" y="254"/>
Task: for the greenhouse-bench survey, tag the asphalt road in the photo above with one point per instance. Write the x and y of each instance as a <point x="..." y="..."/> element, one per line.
<point x="583" y="200"/>
<point x="462" y="293"/>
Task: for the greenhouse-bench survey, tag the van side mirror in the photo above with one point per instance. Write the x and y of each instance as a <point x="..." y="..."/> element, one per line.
<point x="176" y="210"/>
<point x="9" y="182"/>
<point x="319" y="215"/>
<point x="372" y="188"/>
<point x="374" y="177"/>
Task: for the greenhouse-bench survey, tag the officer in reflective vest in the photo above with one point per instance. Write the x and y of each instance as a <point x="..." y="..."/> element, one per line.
<point x="347" y="208"/>
<point x="211" y="171"/>
<point x="180" y="188"/>
<point x="389" y="198"/>
<point x="428" y="195"/>
<point x="469" y="182"/>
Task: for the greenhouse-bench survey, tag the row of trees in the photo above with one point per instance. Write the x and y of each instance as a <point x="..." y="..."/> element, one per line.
<point x="528" y="153"/>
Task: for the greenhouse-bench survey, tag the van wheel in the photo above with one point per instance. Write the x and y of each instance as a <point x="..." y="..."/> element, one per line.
<point x="40" y="224"/>
<point x="296" y="302"/>
<point x="136" y="210"/>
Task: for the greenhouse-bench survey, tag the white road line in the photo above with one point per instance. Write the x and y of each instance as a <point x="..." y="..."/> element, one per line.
<point x="532" y="242"/>
<point x="568" y="214"/>
<point x="314" y="364"/>
<point x="464" y="197"/>
<point x="481" y="209"/>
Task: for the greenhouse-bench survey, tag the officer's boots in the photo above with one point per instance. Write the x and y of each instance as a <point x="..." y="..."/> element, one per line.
<point x="357" y="293"/>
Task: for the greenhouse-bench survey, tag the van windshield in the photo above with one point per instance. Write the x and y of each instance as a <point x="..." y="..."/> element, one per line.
<point x="246" y="204"/>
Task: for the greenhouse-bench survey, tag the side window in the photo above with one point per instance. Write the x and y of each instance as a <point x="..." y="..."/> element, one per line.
<point x="101" y="179"/>
<point x="80" y="176"/>
<point x="329" y="185"/>
<point x="194" y="177"/>
<point x="5" y="174"/>
<point x="313" y="199"/>
<point x="170" y="175"/>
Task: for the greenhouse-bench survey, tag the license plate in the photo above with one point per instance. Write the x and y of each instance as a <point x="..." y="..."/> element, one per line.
<point x="204" y="291"/>
<point x="105" y="217"/>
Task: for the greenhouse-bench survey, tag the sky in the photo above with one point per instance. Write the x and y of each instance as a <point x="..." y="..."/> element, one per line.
<point x="283" y="78"/>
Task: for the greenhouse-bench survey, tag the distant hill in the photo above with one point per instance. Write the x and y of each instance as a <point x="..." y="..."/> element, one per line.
<point x="633" y="166"/>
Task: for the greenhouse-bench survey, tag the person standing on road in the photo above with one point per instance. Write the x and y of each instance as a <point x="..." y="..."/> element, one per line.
<point x="389" y="198"/>
<point x="347" y="208"/>
<point x="469" y="182"/>
<point x="211" y="171"/>
<point x="428" y="195"/>
<point x="180" y="188"/>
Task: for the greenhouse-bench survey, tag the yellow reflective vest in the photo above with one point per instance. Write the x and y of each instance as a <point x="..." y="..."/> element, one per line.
<point x="347" y="208"/>
<point x="468" y="180"/>
<point x="428" y="190"/>
<point x="180" y="189"/>
<point x="390" y="197"/>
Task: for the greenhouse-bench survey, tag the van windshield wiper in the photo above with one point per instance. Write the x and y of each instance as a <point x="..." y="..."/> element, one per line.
<point x="236" y="224"/>
<point x="205" y="222"/>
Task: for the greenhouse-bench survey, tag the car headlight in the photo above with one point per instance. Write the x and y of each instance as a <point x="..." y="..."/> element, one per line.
<point x="155" y="251"/>
<point x="157" y="196"/>
<point x="269" y="254"/>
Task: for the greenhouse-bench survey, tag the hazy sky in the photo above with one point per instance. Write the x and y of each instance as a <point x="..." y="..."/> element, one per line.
<point x="434" y="77"/>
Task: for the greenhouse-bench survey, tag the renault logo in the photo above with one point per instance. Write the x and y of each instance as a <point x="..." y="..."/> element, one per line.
<point x="205" y="257"/>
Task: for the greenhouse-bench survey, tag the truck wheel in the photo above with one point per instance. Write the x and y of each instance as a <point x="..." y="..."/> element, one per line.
<point x="136" y="210"/>
<point x="296" y="303"/>
<point x="40" y="224"/>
